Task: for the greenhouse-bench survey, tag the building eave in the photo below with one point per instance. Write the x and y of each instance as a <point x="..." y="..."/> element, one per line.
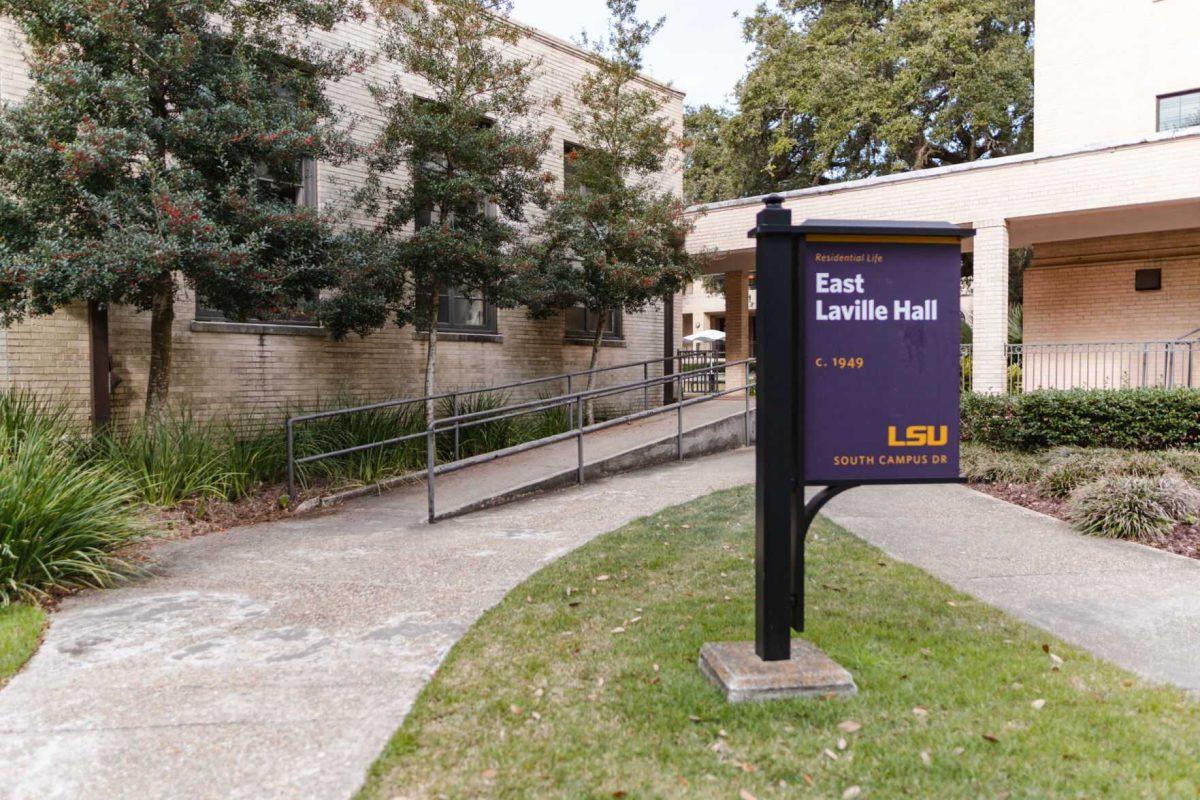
<point x="584" y="54"/>
<point x="938" y="172"/>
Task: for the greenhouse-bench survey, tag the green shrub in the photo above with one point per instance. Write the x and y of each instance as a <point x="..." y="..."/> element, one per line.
<point x="254" y="455"/>
<point x="1130" y="419"/>
<point x="1144" y="465"/>
<point x="550" y="422"/>
<point x="364" y="427"/>
<point x="985" y="465"/>
<point x="60" y="520"/>
<point x="1133" y="507"/>
<point x="25" y="415"/>
<point x="476" y="439"/>
<point x="1060" y="478"/>
<point x="1185" y="462"/>
<point x="168" y="459"/>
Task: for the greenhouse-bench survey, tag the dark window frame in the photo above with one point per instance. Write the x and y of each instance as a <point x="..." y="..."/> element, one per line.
<point x="446" y="307"/>
<point x="1158" y="108"/>
<point x="613" y="332"/>
<point x="570" y="147"/>
<point x="306" y="197"/>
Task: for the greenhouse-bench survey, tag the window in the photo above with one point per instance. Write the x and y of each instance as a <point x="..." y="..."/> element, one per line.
<point x="461" y="310"/>
<point x="571" y="167"/>
<point x="581" y="323"/>
<point x="1180" y="110"/>
<point x="297" y="185"/>
<point x="1147" y="280"/>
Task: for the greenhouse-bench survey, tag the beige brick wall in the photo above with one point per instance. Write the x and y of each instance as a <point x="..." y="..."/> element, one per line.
<point x="219" y="372"/>
<point x="50" y="356"/>
<point x="1099" y="67"/>
<point x="1083" y="291"/>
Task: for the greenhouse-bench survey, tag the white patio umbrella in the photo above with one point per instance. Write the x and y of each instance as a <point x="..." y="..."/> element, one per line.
<point x="705" y="336"/>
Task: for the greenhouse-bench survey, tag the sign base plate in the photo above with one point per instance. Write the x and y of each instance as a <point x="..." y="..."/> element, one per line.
<point x="738" y="672"/>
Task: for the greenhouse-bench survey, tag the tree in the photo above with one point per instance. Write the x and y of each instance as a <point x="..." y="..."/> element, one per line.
<point x="473" y="164"/>
<point x="716" y="165"/>
<point x="612" y="240"/>
<point x="155" y="148"/>
<point x="846" y="89"/>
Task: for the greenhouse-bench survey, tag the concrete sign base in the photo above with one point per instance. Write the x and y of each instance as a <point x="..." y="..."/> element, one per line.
<point x="742" y="675"/>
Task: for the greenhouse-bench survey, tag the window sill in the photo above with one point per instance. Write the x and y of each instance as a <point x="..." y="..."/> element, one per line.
<point x="462" y="336"/>
<point x="257" y="328"/>
<point x="587" y="340"/>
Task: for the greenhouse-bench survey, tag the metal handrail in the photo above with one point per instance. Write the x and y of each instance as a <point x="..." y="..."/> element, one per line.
<point x="575" y="400"/>
<point x="569" y="377"/>
<point x="565" y="376"/>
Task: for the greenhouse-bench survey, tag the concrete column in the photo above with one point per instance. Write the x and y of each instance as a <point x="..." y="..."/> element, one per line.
<point x="737" y="326"/>
<point x="989" y="365"/>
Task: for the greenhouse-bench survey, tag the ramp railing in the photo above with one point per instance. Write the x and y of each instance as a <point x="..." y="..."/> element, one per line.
<point x="575" y="401"/>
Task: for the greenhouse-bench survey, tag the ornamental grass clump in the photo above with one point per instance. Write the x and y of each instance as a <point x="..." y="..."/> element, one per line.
<point x="1133" y="507"/>
<point x="1145" y="465"/>
<point x="1068" y="468"/>
<point x="168" y="458"/>
<point x="61" y="519"/>
<point x="984" y="465"/>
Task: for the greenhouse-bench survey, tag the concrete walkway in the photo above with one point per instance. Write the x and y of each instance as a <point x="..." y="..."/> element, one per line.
<point x="276" y="661"/>
<point x="1132" y="605"/>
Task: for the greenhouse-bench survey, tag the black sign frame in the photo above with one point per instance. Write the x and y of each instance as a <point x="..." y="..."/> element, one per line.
<point x="782" y="518"/>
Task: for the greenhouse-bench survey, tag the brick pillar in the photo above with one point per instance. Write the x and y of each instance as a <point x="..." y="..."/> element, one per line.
<point x="737" y="326"/>
<point x="989" y="365"/>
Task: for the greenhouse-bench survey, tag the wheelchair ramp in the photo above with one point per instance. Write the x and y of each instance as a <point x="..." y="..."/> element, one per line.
<point x="708" y="427"/>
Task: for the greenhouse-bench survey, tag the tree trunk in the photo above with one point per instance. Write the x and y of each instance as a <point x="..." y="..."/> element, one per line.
<point x="162" y="318"/>
<point x="591" y="378"/>
<point x="430" y="367"/>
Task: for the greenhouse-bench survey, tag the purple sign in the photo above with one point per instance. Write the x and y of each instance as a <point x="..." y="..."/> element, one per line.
<point x="881" y="376"/>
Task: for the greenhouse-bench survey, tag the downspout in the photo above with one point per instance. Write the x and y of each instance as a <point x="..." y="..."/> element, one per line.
<point x="99" y="363"/>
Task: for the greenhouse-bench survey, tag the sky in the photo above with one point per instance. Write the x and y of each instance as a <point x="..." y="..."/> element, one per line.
<point x="699" y="50"/>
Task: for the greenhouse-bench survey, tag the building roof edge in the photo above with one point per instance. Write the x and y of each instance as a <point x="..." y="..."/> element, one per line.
<point x="937" y="172"/>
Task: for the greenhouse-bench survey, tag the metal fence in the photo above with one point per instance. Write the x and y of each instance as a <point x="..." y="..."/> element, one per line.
<point x="1098" y="365"/>
<point x="695" y="365"/>
<point x="576" y="402"/>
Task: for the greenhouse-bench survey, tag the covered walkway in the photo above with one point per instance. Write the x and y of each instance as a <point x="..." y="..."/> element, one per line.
<point x="1091" y="203"/>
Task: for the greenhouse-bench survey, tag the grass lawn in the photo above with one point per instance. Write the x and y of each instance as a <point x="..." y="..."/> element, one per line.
<point x="583" y="683"/>
<point x="20" y="631"/>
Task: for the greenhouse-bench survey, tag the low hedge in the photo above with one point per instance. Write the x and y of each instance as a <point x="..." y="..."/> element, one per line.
<point x="1129" y="419"/>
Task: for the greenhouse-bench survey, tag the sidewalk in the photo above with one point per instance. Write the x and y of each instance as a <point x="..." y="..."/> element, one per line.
<point x="277" y="661"/>
<point x="1132" y="605"/>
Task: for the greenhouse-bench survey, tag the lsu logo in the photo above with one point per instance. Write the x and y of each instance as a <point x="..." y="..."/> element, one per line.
<point x="919" y="436"/>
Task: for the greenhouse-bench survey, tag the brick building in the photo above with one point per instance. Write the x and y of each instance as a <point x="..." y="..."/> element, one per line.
<point x="260" y="368"/>
<point x="1109" y="201"/>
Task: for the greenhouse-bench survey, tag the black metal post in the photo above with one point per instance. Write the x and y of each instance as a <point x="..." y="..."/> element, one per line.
<point x="291" y="463"/>
<point x="668" y="348"/>
<point x="807" y="515"/>
<point x="777" y="411"/>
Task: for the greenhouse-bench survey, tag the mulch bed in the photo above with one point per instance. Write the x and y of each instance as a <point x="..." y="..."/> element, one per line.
<point x="1183" y="541"/>
<point x="203" y="516"/>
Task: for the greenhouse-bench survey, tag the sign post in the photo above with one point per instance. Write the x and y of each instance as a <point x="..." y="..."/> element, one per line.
<point x="858" y="363"/>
